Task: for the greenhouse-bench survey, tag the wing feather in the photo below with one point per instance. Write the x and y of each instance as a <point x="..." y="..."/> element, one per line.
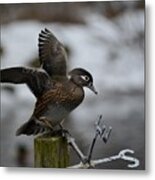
<point x="52" y="54"/>
<point x="37" y="81"/>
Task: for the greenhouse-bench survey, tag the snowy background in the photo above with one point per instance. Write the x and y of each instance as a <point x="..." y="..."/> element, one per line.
<point x="105" y="38"/>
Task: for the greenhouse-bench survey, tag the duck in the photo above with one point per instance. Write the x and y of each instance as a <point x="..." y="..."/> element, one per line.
<point x="57" y="91"/>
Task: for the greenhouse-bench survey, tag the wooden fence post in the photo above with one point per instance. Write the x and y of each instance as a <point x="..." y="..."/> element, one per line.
<point x="51" y="152"/>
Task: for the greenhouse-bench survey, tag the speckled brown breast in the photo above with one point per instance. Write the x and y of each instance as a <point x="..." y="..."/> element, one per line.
<point x="63" y="95"/>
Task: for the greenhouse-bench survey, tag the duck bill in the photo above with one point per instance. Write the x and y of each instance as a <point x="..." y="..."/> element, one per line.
<point x="92" y="88"/>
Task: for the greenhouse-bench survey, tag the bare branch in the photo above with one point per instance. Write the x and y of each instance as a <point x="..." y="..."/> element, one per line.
<point x="98" y="131"/>
<point x="71" y="142"/>
<point x="121" y="155"/>
<point x="104" y="133"/>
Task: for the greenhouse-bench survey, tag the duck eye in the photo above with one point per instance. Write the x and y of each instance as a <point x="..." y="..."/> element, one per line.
<point x="85" y="78"/>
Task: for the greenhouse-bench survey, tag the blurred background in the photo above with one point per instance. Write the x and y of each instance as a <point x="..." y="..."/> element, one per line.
<point x="107" y="39"/>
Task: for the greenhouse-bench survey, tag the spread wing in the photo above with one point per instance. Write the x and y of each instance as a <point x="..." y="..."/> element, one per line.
<point x="37" y="81"/>
<point x="52" y="54"/>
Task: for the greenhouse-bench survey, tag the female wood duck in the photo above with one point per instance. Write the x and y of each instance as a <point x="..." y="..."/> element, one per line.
<point x="57" y="93"/>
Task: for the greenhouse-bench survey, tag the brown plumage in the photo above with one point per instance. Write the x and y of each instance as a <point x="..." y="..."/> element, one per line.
<point x="57" y="95"/>
<point x="65" y="93"/>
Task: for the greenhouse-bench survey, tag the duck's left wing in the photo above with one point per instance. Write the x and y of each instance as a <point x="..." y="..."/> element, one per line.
<point x="52" y="54"/>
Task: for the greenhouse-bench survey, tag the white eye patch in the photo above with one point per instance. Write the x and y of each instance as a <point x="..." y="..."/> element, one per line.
<point x="85" y="77"/>
<point x="69" y="76"/>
